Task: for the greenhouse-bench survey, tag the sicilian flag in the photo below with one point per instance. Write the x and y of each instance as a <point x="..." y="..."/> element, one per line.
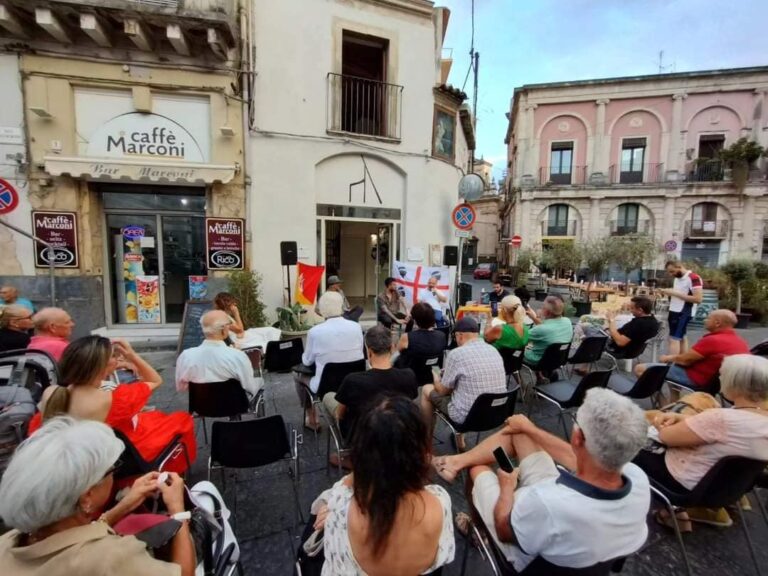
<point x="411" y="279"/>
<point x="307" y="283"/>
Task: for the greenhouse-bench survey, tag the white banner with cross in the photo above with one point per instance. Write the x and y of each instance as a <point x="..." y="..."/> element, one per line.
<point x="412" y="278"/>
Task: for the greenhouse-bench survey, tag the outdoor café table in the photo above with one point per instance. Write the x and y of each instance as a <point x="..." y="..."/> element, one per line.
<point x="474" y="310"/>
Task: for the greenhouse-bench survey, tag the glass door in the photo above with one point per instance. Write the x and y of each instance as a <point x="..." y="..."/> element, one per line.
<point x="183" y="256"/>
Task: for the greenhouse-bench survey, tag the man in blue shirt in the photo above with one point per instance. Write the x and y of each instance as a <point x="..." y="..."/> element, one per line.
<point x="10" y="295"/>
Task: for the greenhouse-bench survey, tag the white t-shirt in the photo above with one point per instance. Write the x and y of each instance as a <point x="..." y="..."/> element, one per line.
<point x="571" y="523"/>
<point x="689" y="283"/>
<point x="425" y="295"/>
<point x="214" y="361"/>
<point x="335" y="340"/>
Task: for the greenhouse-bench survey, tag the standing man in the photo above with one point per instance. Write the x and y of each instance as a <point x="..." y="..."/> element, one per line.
<point x="686" y="293"/>
<point x="390" y="305"/>
<point x="334" y="285"/>
<point x="435" y="298"/>
<point x="10" y="295"/>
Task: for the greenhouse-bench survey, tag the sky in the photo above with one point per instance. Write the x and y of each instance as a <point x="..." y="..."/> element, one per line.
<point x="532" y="41"/>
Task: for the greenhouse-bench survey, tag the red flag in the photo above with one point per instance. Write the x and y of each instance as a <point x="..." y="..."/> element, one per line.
<point x="307" y="283"/>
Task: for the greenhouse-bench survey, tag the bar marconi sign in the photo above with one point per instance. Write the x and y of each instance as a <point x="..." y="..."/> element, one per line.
<point x="59" y="229"/>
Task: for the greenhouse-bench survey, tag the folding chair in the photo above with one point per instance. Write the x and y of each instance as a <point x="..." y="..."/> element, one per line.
<point x="555" y="356"/>
<point x="629" y="352"/>
<point x="134" y="464"/>
<point x="488" y="411"/>
<point x="725" y="483"/>
<point x="712" y="387"/>
<point x="282" y="355"/>
<point x="590" y="350"/>
<point x="513" y="362"/>
<point x="422" y="366"/>
<point x="226" y="399"/>
<point x="568" y="394"/>
<point x="253" y="444"/>
<point x="32" y="369"/>
<point x="335" y="434"/>
<point x="646" y="386"/>
<point x="256" y="356"/>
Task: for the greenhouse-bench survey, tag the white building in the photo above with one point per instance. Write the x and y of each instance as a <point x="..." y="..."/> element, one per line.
<point x="356" y="142"/>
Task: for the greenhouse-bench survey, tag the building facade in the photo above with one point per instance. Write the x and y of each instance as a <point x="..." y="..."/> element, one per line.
<point x="485" y="244"/>
<point x="357" y="144"/>
<point x="633" y="155"/>
<point x="130" y="134"/>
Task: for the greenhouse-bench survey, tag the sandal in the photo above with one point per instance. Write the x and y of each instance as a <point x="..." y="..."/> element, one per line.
<point x="663" y="518"/>
<point x="463" y="523"/>
<point x="438" y="463"/>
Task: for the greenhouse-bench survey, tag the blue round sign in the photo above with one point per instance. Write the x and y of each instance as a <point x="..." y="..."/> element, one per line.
<point x="9" y="198"/>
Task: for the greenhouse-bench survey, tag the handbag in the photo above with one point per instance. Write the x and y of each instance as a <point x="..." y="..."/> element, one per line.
<point x="310" y="556"/>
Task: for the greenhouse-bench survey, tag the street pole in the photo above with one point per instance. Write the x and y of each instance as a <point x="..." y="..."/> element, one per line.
<point x="51" y="261"/>
<point x="458" y="276"/>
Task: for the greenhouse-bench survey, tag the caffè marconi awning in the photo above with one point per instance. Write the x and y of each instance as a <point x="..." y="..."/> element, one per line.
<point x="146" y="171"/>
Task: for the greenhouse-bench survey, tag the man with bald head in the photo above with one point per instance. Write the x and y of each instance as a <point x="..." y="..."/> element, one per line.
<point x="698" y="366"/>
<point x="53" y="329"/>
<point x="213" y="360"/>
<point x="10" y="295"/>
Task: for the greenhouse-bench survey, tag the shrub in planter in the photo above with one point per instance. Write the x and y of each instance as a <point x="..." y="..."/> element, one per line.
<point x="245" y="286"/>
<point x="739" y="272"/>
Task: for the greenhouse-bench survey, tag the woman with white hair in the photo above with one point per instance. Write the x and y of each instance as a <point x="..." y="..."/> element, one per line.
<point x="15" y="324"/>
<point x="695" y="443"/>
<point x="53" y="494"/>
<point x="513" y="333"/>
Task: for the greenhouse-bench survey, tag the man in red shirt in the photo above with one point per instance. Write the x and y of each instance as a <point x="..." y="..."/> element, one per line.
<point x="698" y="366"/>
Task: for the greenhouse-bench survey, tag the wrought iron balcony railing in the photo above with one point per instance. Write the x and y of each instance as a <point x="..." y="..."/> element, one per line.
<point x="365" y="107"/>
<point x="707" y="228"/>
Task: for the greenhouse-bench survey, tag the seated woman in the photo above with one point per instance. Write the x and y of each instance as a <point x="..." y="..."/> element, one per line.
<point x="15" y="324"/>
<point x="85" y="364"/>
<point x="513" y="333"/>
<point x="226" y="302"/>
<point x="695" y="443"/>
<point x="424" y="340"/>
<point x="53" y="496"/>
<point x="393" y="523"/>
<point x="240" y="337"/>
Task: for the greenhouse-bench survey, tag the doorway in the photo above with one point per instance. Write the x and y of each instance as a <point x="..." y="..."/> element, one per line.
<point x="151" y="256"/>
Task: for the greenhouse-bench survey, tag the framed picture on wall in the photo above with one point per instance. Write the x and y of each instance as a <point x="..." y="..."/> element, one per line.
<point x="444" y="133"/>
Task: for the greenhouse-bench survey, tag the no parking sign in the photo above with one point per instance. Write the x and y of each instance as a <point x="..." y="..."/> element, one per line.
<point x="9" y="198"/>
<point x="463" y="216"/>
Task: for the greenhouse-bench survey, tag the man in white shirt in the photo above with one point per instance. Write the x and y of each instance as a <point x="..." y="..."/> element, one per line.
<point x="686" y="293"/>
<point x="213" y="360"/>
<point x="336" y="340"/>
<point x="434" y="297"/>
<point x="577" y="519"/>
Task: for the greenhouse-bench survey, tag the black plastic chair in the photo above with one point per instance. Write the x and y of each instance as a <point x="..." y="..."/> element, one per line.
<point x="629" y="352"/>
<point x="590" y="350"/>
<point x="253" y="444"/>
<point x="646" y="386"/>
<point x="226" y="399"/>
<point x="725" y="484"/>
<point x="422" y="366"/>
<point x="555" y="356"/>
<point x="712" y="387"/>
<point x="568" y="394"/>
<point x="513" y="363"/>
<point x="333" y="375"/>
<point x="282" y="355"/>
<point x="256" y="356"/>
<point x="134" y="464"/>
<point x="32" y="369"/>
<point x="488" y="411"/>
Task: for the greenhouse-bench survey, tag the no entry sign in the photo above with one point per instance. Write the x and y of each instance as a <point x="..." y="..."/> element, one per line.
<point x="9" y="198"/>
<point x="516" y="240"/>
<point x="463" y="216"/>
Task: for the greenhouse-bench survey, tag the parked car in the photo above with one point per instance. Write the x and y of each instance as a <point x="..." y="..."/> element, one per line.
<point x="483" y="270"/>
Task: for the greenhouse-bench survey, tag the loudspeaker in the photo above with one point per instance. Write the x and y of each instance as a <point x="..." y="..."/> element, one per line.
<point x="450" y="255"/>
<point x="288" y="254"/>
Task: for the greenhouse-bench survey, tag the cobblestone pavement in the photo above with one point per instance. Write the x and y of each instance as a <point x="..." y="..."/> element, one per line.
<point x="265" y="514"/>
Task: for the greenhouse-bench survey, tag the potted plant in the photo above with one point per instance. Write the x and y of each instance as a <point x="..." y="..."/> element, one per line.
<point x="291" y="322"/>
<point x="739" y="272"/>
<point x="741" y="156"/>
<point x="597" y="257"/>
<point x="245" y="286"/>
<point x="524" y="260"/>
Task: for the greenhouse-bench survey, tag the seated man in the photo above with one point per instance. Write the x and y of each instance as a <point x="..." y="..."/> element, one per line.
<point x="53" y="329"/>
<point x="336" y="340"/>
<point x="10" y="295"/>
<point x="359" y="389"/>
<point x="550" y="328"/>
<point x="390" y="305"/>
<point x="595" y="513"/>
<point x="697" y="367"/>
<point x="334" y="284"/>
<point x="213" y="360"/>
<point x="424" y="340"/>
<point x="434" y="297"/>
<point x="498" y="294"/>
<point x="472" y="369"/>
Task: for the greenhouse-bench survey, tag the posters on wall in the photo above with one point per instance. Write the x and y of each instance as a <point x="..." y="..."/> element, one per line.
<point x="148" y="290"/>
<point x="225" y="243"/>
<point x="198" y="287"/>
<point x="59" y="229"/>
<point x="133" y="268"/>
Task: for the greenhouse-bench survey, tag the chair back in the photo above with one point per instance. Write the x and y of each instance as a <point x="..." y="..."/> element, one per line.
<point x="630" y="351"/>
<point x="541" y="567"/>
<point x="555" y="356"/>
<point x="32" y="369"/>
<point x="513" y="359"/>
<point x="217" y="399"/>
<point x="422" y="366"/>
<point x="590" y="350"/>
<point x="597" y="379"/>
<point x="650" y="382"/>
<point x="489" y="411"/>
<point x="727" y="481"/>
<point x="282" y="355"/>
<point x="334" y="374"/>
<point x="256" y="356"/>
<point x="133" y="464"/>
<point x="249" y="443"/>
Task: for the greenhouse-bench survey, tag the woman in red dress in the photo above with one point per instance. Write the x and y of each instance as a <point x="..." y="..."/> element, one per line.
<point x="84" y="366"/>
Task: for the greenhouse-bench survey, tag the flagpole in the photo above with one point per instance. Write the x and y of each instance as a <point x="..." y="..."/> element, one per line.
<point x="288" y="274"/>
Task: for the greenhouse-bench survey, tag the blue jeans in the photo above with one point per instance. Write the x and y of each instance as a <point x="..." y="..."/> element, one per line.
<point x="677" y="374"/>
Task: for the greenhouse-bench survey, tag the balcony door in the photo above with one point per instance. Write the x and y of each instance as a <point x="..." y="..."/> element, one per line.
<point x="561" y="163"/>
<point x="557" y="223"/>
<point x="627" y="216"/>
<point x="363" y="88"/>
<point x="632" y="160"/>
<point x="704" y="219"/>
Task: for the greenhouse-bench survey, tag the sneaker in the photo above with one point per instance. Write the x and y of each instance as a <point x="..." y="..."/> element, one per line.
<point x="711" y="516"/>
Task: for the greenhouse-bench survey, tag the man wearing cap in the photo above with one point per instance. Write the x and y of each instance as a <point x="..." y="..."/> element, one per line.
<point x="334" y="285"/>
<point x="472" y="369"/>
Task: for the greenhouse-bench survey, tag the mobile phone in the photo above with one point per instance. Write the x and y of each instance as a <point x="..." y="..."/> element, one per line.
<point x="504" y="462"/>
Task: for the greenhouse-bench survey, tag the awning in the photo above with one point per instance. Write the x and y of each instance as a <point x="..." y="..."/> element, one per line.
<point x="117" y="170"/>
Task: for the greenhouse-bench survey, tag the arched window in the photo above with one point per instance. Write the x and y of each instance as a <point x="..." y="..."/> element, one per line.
<point x="558" y="221"/>
<point x="627" y="219"/>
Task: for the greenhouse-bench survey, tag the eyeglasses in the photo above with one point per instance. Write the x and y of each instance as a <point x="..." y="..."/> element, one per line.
<point x="112" y="469"/>
<point x="575" y="422"/>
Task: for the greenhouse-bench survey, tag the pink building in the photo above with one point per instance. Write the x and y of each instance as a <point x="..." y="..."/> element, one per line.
<point x="640" y="155"/>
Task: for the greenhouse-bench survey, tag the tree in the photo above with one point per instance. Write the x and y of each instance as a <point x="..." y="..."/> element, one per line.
<point x="739" y="272"/>
<point x="597" y="255"/>
<point x="245" y="286"/>
<point x="525" y="258"/>
<point x="563" y="256"/>
<point x="632" y="252"/>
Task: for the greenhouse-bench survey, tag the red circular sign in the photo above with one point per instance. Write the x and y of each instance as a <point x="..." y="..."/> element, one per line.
<point x="463" y="216"/>
<point x="516" y="240"/>
<point x="9" y="198"/>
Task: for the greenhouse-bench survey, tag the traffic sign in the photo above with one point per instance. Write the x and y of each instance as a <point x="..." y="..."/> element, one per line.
<point x="462" y="233"/>
<point x="9" y="198"/>
<point x="463" y="216"/>
<point x="670" y="246"/>
<point x="516" y="240"/>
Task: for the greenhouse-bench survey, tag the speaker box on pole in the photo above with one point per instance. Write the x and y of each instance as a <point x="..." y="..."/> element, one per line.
<point x="288" y="256"/>
<point x="450" y="256"/>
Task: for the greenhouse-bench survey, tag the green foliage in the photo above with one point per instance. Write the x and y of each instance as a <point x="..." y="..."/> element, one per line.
<point x="742" y="151"/>
<point x="290" y="318"/>
<point x="713" y="278"/>
<point x="761" y="270"/>
<point x="562" y="257"/>
<point x="597" y="255"/>
<point x="525" y="258"/>
<point x="739" y="272"/>
<point x="632" y="252"/>
<point x="245" y="286"/>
